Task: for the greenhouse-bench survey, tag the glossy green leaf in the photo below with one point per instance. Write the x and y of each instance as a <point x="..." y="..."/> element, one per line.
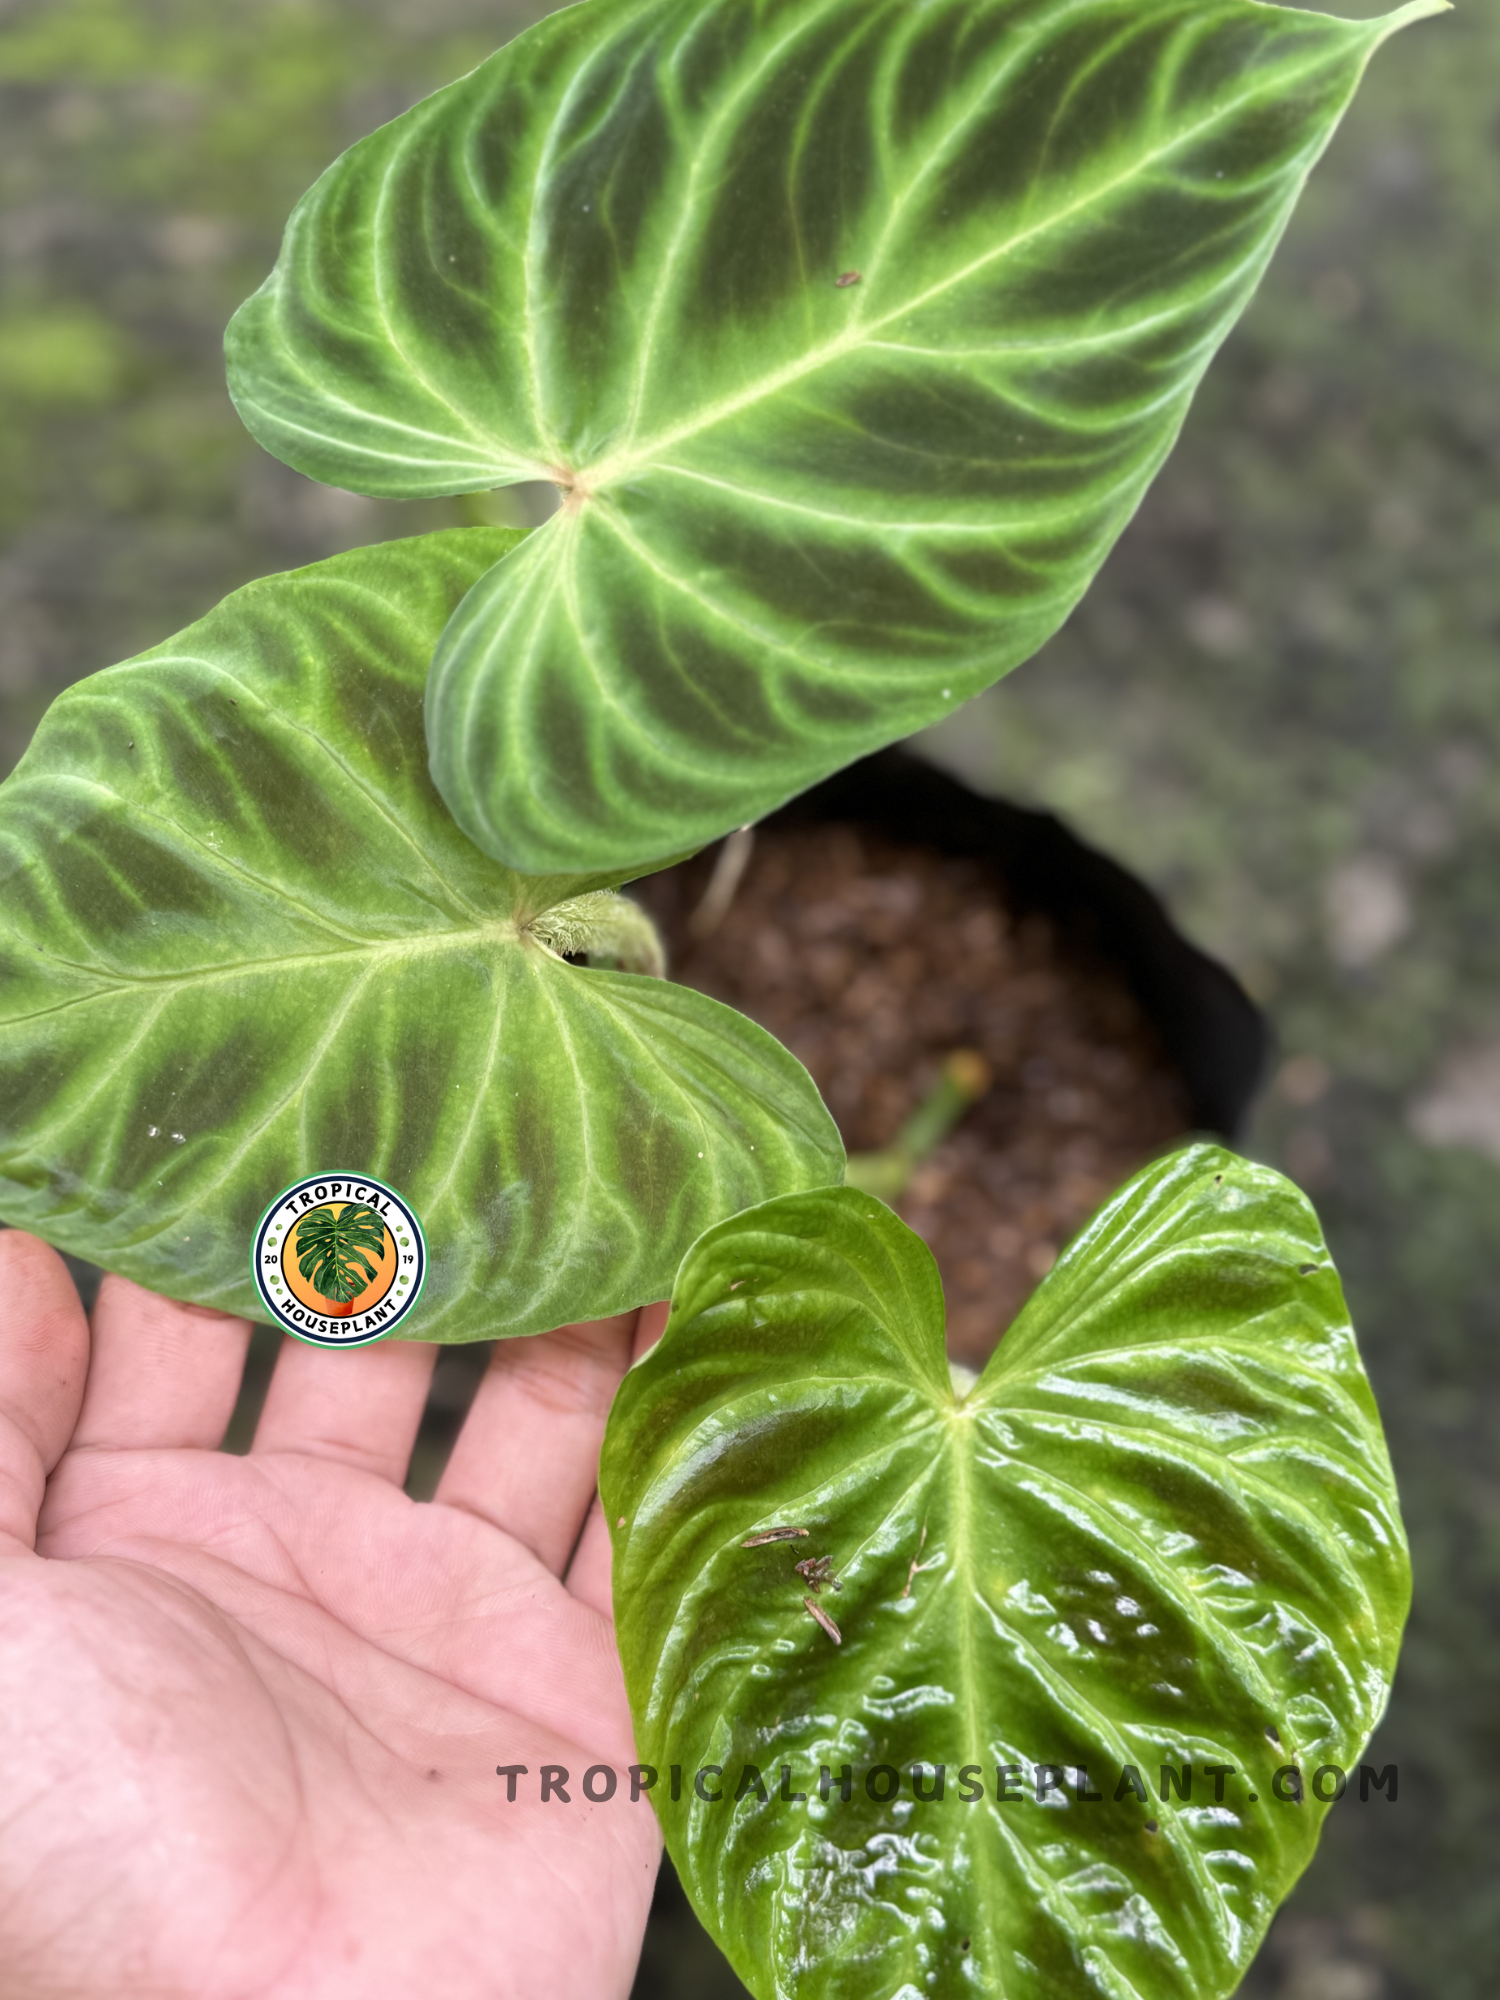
<point x="242" y="942"/>
<point x="1160" y="1530"/>
<point x="854" y="331"/>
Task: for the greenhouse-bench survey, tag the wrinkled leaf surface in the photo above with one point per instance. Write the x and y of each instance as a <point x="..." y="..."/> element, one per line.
<point x="854" y="331"/>
<point x="1160" y="1530"/>
<point x="242" y="941"/>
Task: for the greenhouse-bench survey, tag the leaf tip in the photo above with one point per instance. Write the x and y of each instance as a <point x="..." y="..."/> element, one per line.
<point x="1403" y="17"/>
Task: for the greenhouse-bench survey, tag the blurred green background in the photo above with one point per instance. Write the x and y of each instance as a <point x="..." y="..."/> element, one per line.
<point x="1280" y="704"/>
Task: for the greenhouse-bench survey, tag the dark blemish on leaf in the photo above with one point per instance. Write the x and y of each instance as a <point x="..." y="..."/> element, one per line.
<point x="1273" y="1732"/>
<point x="1306" y="1270"/>
<point x="1218" y="1180"/>
<point x="775" y="1535"/>
<point x="963" y="1944"/>
<point x="1152" y="1827"/>
<point x="825" y="1621"/>
<point x="847" y="278"/>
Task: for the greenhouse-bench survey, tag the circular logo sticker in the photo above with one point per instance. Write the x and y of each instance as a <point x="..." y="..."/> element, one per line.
<point x="339" y="1260"/>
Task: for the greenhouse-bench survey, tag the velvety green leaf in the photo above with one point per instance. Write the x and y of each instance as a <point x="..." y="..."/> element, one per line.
<point x="1160" y="1530"/>
<point x="242" y="941"/>
<point x="853" y="329"/>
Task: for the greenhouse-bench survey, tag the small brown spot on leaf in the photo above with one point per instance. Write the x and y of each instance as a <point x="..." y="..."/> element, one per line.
<point x="918" y="1566"/>
<point x="847" y="278"/>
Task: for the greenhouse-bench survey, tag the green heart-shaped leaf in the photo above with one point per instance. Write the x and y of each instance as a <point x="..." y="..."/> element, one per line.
<point x="854" y="330"/>
<point x="244" y="942"/>
<point x="1161" y="1530"/>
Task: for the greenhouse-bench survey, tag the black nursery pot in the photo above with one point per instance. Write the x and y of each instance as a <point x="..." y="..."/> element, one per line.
<point x="929" y="920"/>
<point x="1208" y="1025"/>
<point x="1210" y="1029"/>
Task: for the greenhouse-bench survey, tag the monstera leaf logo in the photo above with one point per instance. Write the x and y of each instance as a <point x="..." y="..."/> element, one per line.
<point x="339" y="1260"/>
<point x="331" y="1251"/>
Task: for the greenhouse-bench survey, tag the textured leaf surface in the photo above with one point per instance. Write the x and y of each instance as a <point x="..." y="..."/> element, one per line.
<point x="1161" y="1529"/>
<point x="804" y="516"/>
<point x="242" y="941"/>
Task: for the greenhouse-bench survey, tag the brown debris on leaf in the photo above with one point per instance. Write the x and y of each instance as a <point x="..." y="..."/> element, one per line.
<point x="825" y="1621"/>
<point x="815" y="1571"/>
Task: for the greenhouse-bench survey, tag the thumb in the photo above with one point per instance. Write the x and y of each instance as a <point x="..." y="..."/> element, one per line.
<point x="44" y="1357"/>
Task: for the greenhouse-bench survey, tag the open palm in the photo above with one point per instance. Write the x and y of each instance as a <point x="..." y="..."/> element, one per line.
<point x="251" y="1709"/>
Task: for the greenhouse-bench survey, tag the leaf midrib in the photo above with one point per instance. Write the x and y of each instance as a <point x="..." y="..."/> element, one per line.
<point x="960" y="1446"/>
<point x="502" y="932"/>
<point x="637" y="458"/>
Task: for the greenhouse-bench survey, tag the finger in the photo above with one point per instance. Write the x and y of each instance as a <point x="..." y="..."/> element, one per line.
<point x="44" y="1357"/>
<point x="653" y="1324"/>
<point x="588" y="1576"/>
<point x="161" y="1374"/>
<point x="359" y="1406"/>
<point x="527" y="1458"/>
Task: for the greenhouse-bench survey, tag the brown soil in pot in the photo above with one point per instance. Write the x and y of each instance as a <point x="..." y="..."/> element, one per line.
<point x="873" y="961"/>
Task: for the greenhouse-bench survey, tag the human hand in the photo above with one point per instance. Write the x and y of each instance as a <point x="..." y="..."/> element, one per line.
<point x="251" y="1708"/>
